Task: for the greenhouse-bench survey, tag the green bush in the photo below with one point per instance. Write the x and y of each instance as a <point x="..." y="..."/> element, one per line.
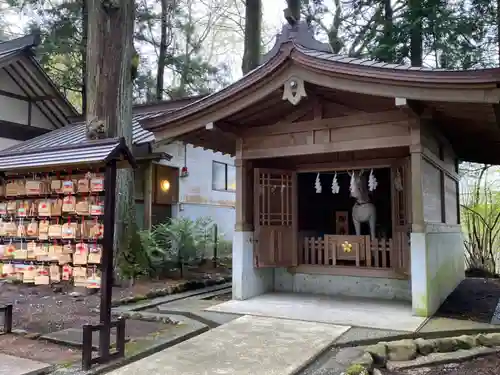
<point x="178" y="242"/>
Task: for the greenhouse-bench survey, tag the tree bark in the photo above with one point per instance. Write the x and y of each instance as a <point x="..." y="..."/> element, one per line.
<point x="416" y="32"/>
<point x="388" y="41"/>
<point x="163" y="51"/>
<point x="253" y="24"/>
<point x="294" y="7"/>
<point x="109" y="97"/>
<point x="85" y="21"/>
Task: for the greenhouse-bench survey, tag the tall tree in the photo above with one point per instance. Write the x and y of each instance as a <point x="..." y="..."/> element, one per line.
<point x="109" y="96"/>
<point x="294" y="8"/>
<point x="416" y="40"/>
<point x="253" y="22"/>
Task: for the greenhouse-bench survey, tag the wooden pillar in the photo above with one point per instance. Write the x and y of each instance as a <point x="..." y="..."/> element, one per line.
<point x="417" y="201"/>
<point x="244" y="192"/>
<point x="148" y="195"/>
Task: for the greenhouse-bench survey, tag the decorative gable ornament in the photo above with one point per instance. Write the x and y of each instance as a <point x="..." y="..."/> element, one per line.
<point x="294" y="90"/>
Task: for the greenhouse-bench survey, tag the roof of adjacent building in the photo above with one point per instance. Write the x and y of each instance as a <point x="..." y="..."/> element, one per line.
<point x="17" y="59"/>
<point x="85" y="154"/>
<point x="75" y="134"/>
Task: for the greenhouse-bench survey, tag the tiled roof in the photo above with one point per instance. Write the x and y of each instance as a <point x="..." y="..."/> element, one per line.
<point x="75" y="134"/>
<point x="91" y="152"/>
<point x="358" y="61"/>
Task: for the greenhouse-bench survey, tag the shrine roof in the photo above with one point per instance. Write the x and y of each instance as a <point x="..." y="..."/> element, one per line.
<point x="297" y="53"/>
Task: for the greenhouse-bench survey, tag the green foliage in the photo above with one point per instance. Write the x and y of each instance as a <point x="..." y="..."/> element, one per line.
<point x="481" y="217"/>
<point x="177" y="242"/>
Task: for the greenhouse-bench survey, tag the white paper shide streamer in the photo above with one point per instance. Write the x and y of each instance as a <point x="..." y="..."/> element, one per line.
<point x="317" y="184"/>
<point x="398" y="181"/>
<point x="335" y="184"/>
<point x="353" y="186"/>
<point x="372" y="181"/>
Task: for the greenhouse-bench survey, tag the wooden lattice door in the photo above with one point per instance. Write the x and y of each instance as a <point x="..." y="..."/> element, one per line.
<point x="401" y="214"/>
<point x="275" y="203"/>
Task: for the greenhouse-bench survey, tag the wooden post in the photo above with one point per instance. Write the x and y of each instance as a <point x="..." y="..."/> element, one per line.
<point x="107" y="259"/>
<point x="244" y="192"/>
<point x="148" y="195"/>
<point x="216" y="237"/>
<point x="417" y="204"/>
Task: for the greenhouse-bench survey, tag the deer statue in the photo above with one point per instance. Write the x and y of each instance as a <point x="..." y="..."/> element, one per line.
<point x="363" y="210"/>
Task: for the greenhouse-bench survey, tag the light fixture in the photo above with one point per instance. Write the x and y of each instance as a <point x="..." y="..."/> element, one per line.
<point x="165" y="185"/>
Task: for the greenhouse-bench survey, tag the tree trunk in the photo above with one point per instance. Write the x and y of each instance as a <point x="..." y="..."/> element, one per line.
<point x="294" y="7"/>
<point x="183" y="84"/>
<point x="416" y="32"/>
<point x="253" y="21"/>
<point x="85" y="20"/>
<point x="498" y="30"/>
<point x="163" y="51"/>
<point x="109" y="97"/>
<point x="388" y="41"/>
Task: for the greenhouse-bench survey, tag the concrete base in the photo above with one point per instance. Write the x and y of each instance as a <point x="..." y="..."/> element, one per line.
<point x="245" y="346"/>
<point x="332" y="285"/>
<point x="10" y="365"/>
<point x="248" y="281"/>
<point x="437" y="267"/>
<point x="378" y="314"/>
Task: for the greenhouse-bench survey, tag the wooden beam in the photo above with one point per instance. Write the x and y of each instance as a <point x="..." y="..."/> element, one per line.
<point x="319" y="148"/>
<point x="342" y="165"/>
<point x="417" y="198"/>
<point x="244" y="192"/>
<point x="496" y="111"/>
<point x="329" y="123"/>
<point x="12" y="95"/>
<point x="20" y="132"/>
<point x="148" y="195"/>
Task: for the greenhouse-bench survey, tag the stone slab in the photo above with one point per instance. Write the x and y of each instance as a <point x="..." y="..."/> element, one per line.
<point x="441" y="358"/>
<point x="10" y="365"/>
<point x="360" y="334"/>
<point x="142" y="305"/>
<point x="74" y="337"/>
<point x="445" y="324"/>
<point x="495" y="319"/>
<point x="246" y="346"/>
<point x="360" y="312"/>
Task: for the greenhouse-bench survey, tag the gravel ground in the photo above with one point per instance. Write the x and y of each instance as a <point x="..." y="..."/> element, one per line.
<point x="38" y="350"/>
<point x="474" y="299"/>
<point x="38" y="309"/>
<point x="481" y="366"/>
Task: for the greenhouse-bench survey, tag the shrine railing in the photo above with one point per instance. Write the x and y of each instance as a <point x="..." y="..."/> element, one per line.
<point x="354" y="251"/>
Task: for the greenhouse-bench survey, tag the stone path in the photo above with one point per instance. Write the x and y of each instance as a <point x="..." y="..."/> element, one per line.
<point x="10" y="365"/>
<point x="392" y="315"/>
<point x="246" y="346"/>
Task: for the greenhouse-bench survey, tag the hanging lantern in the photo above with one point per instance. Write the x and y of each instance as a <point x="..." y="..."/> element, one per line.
<point x="335" y="184"/>
<point x="184" y="172"/>
<point x="372" y="181"/>
<point x="317" y="185"/>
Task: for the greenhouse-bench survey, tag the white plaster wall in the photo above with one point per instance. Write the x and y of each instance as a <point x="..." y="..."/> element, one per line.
<point x="368" y="287"/>
<point x="196" y="197"/>
<point x="15" y="110"/>
<point x="437" y="267"/>
<point x="248" y="281"/>
<point x="7" y="142"/>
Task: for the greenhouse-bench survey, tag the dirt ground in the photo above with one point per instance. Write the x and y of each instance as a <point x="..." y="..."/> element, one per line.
<point x="43" y="309"/>
<point x="38" y="309"/>
<point x="474" y="299"/>
<point x="481" y="366"/>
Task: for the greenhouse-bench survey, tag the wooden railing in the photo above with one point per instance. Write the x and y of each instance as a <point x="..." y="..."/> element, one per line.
<point x="358" y="251"/>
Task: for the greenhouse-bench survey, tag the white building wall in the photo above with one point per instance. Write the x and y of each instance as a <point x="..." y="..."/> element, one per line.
<point x="196" y="196"/>
<point x="15" y="110"/>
